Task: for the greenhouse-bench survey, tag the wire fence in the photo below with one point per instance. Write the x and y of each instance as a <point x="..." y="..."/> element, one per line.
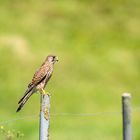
<point x="65" y="114"/>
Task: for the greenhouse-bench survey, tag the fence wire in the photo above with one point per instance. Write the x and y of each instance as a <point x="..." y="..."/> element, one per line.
<point x="137" y="109"/>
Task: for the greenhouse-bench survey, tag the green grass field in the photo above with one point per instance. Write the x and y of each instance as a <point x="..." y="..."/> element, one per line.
<point x="98" y="45"/>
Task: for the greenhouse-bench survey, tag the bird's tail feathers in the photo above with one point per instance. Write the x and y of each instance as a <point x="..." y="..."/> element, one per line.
<point x="23" y="100"/>
<point x="26" y="93"/>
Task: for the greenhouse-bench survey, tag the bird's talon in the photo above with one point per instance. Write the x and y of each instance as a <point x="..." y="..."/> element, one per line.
<point x="43" y="91"/>
<point x="48" y="94"/>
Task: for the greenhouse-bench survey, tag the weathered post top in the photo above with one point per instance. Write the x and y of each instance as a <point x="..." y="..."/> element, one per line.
<point x="126" y="112"/>
<point x="126" y="95"/>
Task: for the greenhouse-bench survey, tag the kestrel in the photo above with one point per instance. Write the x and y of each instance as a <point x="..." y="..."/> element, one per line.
<point x="39" y="80"/>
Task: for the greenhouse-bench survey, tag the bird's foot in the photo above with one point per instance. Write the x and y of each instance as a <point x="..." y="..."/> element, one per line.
<point x="43" y="92"/>
<point x="49" y="94"/>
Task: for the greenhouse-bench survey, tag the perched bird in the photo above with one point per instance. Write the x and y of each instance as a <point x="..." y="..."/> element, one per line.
<point x="39" y="80"/>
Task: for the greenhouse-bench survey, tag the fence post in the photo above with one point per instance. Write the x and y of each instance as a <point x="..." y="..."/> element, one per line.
<point x="126" y="112"/>
<point x="44" y="117"/>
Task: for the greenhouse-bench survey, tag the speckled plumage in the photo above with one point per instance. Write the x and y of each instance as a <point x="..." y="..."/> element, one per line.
<point x="39" y="80"/>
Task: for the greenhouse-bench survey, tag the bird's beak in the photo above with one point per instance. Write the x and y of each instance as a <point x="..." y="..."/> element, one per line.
<point x="56" y="58"/>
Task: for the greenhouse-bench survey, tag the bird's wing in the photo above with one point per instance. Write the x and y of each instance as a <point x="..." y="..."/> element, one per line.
<point x="38" y="77"/>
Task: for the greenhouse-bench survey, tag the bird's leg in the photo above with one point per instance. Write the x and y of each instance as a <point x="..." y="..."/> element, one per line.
<point x="43" y="92"/>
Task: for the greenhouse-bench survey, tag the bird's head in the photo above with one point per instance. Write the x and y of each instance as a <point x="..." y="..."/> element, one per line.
<point x="52" y="58"/>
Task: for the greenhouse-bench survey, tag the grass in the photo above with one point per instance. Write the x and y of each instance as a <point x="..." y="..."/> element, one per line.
<point x="98" y="46"/>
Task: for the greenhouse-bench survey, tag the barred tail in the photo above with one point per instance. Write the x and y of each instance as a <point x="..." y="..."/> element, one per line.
<point x="23" y="100"/>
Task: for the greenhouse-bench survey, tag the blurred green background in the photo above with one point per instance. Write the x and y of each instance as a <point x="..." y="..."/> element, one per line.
<point x="98" y="45"/>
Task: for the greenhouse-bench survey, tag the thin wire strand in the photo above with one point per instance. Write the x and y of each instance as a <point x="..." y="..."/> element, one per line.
<point x="85" y="114"/>
<point x="69" y="114"/>
<point x="17" y="119"/>
<point x="136" y="109"/>
<point x="60" y="114"/>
